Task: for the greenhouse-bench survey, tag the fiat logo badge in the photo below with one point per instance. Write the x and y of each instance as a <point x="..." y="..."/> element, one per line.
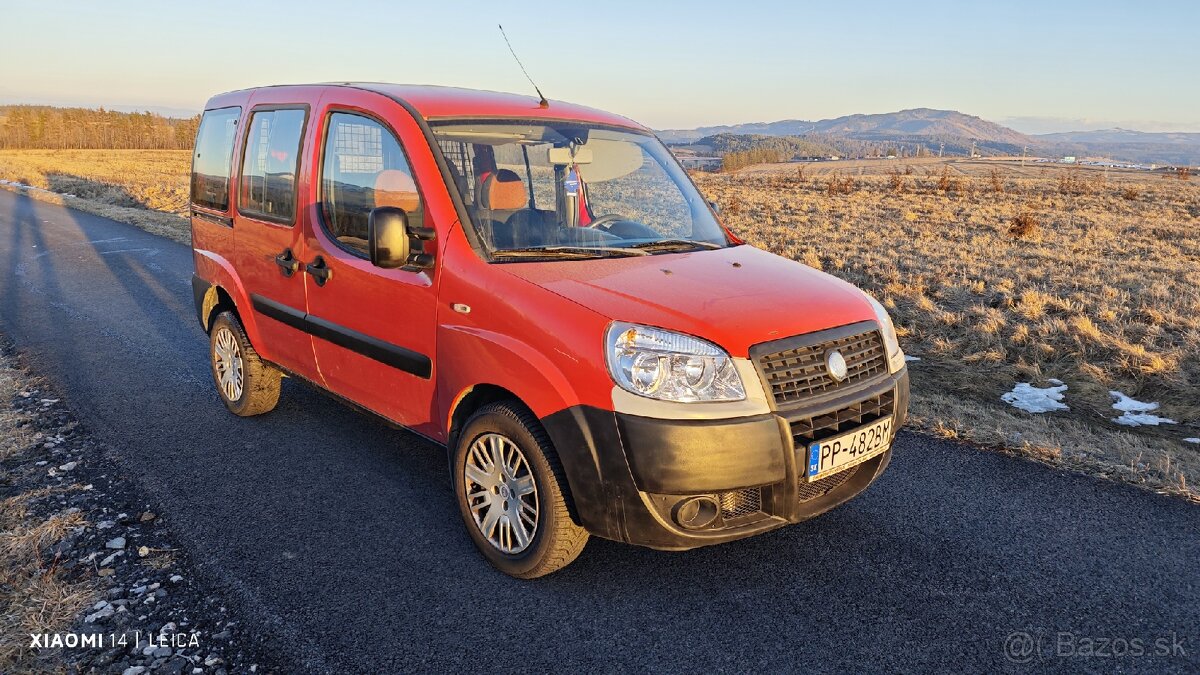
<point x="835" y="364"/>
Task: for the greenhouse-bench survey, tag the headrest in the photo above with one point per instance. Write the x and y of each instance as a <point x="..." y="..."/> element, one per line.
<point x="503" y="190"/>
<point x="396" y="188"/>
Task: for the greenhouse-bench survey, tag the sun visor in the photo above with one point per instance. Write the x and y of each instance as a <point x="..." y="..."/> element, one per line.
<point x="611" y="159"/>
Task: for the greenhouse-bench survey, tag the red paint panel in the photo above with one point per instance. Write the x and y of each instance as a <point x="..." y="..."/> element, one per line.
<point x="736" y="297"/>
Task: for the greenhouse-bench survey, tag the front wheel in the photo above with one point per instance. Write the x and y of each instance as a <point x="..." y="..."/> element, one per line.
<point x="511" y="492"/>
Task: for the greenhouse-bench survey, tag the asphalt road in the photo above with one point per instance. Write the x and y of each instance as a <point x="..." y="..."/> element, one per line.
<point x="337" y="537"/>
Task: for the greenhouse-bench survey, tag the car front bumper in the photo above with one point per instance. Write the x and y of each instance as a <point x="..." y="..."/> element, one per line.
<point x="629" y="475"/>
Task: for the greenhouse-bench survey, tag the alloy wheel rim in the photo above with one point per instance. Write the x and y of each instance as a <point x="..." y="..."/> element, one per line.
<point x="227" y="364"/>
<point x="501" y="493"/>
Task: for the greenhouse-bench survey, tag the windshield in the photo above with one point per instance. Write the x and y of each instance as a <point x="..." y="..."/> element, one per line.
<point x="570" y="190"/>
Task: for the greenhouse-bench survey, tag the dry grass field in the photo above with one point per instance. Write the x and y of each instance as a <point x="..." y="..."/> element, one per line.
<point x="997" y="272"/>
<point x="150" y="179"/>
<point x="148" y="188"/>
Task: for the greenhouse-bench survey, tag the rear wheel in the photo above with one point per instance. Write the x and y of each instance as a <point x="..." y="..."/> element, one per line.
<point x="511" y="492"/>
<point x="247" y="384"/>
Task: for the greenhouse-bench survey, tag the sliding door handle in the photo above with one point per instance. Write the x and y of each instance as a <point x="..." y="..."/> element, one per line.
<point x="288" y="264"/>
<point x="319" y="271"/>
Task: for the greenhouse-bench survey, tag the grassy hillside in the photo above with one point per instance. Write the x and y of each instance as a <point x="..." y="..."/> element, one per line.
<point x="998" y="274"/>
<point x="789" y="147"/>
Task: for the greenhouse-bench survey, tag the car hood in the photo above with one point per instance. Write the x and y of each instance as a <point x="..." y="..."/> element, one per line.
<point x="736" y="297"/>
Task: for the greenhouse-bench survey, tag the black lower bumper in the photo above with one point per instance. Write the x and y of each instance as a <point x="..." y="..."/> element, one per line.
<point x="630" y="475"/>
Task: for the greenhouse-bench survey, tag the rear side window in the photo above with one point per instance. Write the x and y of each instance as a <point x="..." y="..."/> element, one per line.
<point x="213" y="158"/>
<point x="363" y="168"/>
<point x="269" y="164"/>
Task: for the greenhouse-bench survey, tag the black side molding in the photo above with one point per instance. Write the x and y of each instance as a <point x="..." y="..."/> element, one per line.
<point x="386" y="353"/>
<point x="372" y="348"/>
<point x="280" y="312"/>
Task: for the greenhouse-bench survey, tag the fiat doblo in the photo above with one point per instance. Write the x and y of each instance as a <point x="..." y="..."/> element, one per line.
<point x="540" y="288"/>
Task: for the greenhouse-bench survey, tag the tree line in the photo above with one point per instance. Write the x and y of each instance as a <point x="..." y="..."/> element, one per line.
<point x="48" y="127"/>
<point x="732" y="161"/>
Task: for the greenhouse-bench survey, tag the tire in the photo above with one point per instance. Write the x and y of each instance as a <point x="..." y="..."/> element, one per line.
<point x="255" y="389"/>
<point x="553" y="541"/>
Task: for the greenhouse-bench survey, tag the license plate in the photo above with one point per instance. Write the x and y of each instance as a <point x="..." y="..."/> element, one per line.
<point x="842" y="452"/>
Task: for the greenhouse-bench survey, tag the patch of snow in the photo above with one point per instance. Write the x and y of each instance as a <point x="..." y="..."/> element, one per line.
<point x="1054" y="381"/>
<point x="1192" y="440"/>
<point x="1127" y="404"/>
<point x="1036" y="399"/>
<point x="908" y="358"/>
<point x="1141" y="420"/>
<point x="1135" y="413"/>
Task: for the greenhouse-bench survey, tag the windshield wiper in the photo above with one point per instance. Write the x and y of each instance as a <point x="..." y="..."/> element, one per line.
<point x="674" y="244"/>
<point x="567" y="252"/>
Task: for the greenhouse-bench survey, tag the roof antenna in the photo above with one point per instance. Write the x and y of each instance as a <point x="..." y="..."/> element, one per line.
<point x="543" y="103"/>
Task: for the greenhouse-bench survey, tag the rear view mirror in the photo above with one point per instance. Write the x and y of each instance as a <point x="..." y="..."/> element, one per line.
<point x="387" y="237"/>
<point x="564" y="156"/>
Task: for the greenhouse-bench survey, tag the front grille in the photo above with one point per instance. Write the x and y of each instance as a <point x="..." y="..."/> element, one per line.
<point x="740" y="503"/>
<point x="820" y="488"/>
<point x="819" y="427"/>
<point x="798" y="373"/>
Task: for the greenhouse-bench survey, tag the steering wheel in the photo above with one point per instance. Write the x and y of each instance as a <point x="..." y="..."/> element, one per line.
<point x="604" y="220"/>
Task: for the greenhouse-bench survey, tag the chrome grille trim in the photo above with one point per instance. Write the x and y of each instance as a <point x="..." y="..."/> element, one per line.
<point x="793" y="369"/>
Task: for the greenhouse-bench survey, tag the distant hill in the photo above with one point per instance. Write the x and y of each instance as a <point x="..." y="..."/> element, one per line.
<point x="1118" y="135"/>
<point x="921" y="122"/>
<point x="1166" y="147"/>
<point x="934" y="130"/>
<point x="788" y="146"/>
<point x="950" y="132"/>
<point x="915" y="122"/>
<point x="780" y="128"/>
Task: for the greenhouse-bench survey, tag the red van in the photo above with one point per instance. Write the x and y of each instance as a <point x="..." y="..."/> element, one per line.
<point x="541" y="289"/>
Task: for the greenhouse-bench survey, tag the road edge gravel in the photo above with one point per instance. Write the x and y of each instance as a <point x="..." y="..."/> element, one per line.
<point x="105" y="587"/>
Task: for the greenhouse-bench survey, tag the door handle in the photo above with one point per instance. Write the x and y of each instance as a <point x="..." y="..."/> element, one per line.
<point x="319" y="271"/>
<point x="288" y="264"/>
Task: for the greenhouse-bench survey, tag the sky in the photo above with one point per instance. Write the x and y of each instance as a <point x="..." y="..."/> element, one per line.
<point x="1037" y="66"/>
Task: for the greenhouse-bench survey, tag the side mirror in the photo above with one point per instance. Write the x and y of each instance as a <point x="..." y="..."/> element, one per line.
<point x="715" y="207"/>
<point x="387" y="237"/>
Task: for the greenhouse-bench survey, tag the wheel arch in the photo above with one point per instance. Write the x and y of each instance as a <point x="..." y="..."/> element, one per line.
<point x="476" y="397"/>
<point x="471" y="399"/>
<point x="215" y="301"/>
<point x="216" y="284"/>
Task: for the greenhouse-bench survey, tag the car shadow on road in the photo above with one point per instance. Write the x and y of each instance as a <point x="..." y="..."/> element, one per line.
<point x="32" y="267"/>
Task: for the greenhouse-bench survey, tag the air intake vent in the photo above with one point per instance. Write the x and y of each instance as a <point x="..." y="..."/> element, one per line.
<point x="740" y="503"/>
<point x="820" y="488"/>
<point x="819" y="427"/>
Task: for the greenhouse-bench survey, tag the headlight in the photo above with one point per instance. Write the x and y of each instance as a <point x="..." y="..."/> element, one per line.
<point x="890" y="341"/>
<point x="670" y="366"/>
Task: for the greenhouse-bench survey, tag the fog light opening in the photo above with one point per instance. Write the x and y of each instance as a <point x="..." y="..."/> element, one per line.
<point x="697" y="512"/>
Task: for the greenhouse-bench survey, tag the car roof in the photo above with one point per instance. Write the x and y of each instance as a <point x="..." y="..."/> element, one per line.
<point x="435" y="102"/>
